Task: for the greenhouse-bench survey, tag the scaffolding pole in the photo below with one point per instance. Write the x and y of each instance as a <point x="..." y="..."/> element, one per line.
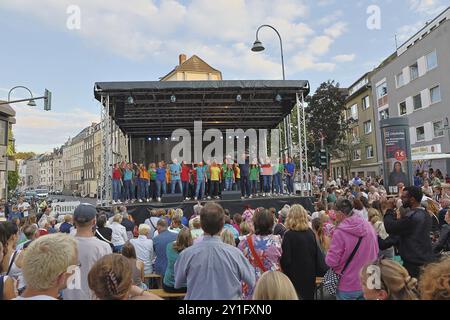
<point x="302" y="147"/>
<point x="107" y="152"/>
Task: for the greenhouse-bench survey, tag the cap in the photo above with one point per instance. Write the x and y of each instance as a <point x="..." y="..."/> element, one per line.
<point x="85" y="212"/>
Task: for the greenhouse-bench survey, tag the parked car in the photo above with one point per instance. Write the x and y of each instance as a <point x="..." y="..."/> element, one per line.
<point x="30" y="195"/>
<point x="42" y="193"/>
<point x="58" y="192"/>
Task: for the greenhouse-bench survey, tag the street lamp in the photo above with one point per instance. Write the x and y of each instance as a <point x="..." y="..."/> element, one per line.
<point x="258" y="47"/>
<point x="32" y="100"/>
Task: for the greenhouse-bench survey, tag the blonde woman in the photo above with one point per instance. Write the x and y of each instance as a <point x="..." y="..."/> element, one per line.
<point x="376" y="219"/>
<point x="227" y="237"/>
<point x="274" y="285"/>
<point x="300" y="252"/>
<point x="434" y="281"/>
<point x="119" y="233"/>
<point x="387" y="280"/>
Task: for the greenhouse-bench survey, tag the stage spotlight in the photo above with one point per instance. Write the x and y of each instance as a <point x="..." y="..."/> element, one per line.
<point x="150" y="139"/>
<point x="229" y="137"/>
<point x="130" y="100"/>
<point x="238" y="98"/>
<point x="173" y="99"/>
<point x="167" y="138"/>
<point x="278" y="98"/>
<point x="158" y="139"/>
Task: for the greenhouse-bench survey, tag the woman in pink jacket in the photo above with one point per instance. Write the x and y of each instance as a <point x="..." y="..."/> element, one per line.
<point x="345" y="238"/>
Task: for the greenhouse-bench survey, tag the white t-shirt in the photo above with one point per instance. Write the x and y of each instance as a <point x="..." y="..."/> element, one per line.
<point x="25" y="206"/>
<point x="90" y="249"/>
<point x="39" y="297"/>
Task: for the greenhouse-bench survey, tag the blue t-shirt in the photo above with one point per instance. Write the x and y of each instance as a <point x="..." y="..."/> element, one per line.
<point x="200" y="173"/>
<point x="290" y="167"/>
<point x="161" y="174"/>
<point x="128" y="175"/>
<point x="175" y="171"/>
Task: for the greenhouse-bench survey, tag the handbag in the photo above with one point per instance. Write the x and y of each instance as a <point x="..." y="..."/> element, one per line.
<point x="331" y="278"/>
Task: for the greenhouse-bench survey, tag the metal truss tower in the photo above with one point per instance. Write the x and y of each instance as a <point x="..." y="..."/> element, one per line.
<point x="303" y="147"/>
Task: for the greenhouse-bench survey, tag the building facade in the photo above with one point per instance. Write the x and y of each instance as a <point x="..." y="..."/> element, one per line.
<point x="58" y="170"/>
<point x="46" y="171"/>
<point x="33" y="172"/>
<point x="89" y="175"/>
<point x="414" y="83"/>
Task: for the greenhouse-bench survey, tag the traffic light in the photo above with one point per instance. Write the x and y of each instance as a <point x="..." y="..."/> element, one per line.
<point x="323" y="158"/>
<point x="47" y="100"/>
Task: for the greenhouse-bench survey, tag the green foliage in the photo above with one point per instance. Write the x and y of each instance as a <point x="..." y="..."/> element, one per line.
<point x="13" y="180"/>
<point x="24" y="155"/>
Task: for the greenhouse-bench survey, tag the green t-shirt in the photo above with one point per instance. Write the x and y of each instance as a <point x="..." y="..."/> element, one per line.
<point x="152" y="175"/>
<point x="280" y="168"/>
<point x="331" y="198"/>
<point x="229" y="174"/>
<point x="254" y="172"/>
<point x="208" y="173"/>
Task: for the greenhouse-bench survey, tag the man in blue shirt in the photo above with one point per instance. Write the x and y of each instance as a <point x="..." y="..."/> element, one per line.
<point x="213" y="270"/>
<point x="175" y="172"/>
<point x="289" y="168"/>
<point x="201" y="178"/>
<point x="160" y="243"/>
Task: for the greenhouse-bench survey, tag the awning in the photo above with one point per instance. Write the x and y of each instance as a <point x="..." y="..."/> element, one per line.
<point x="430" y="156"/>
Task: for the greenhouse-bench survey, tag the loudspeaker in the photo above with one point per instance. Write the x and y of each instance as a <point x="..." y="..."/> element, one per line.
<point x="231" y="195"/>
<point x="172" y="198"/>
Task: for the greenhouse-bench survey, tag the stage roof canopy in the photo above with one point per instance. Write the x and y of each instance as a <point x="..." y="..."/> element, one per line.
<point x="156" y="108"/>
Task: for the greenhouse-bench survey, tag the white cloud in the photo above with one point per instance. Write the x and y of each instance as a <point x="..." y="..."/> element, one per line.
<point x="40" y="131"/>
<point x="405" y="32"/>
<point x="304" y="62"/>
<point x="344" y="57"/>
<point x="336" y="30"/>
<point x="334" y="16"/>
<point x="428" y="7"/>
<point x="320" y="45"/>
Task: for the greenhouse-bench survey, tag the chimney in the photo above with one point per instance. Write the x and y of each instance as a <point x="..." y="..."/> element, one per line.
<point x="182" y="58"/>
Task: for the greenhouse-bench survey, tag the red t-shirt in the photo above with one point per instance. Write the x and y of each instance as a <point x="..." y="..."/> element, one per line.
<point x="117" y="175"/>
<point x="185" y="173"/>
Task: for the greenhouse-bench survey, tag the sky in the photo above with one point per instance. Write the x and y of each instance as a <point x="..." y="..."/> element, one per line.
<point x="68" y="45"/>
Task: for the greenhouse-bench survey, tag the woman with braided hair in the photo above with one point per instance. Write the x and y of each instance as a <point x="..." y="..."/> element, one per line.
<point x="110" y="278"/>
<point x="386" y="279"/>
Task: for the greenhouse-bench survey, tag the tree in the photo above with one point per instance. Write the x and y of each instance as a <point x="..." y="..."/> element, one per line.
<point x="13" y="180"/>
<point x="24" y="155"/>
<point x="325" y="116"/>
<point x="346" y="148"/>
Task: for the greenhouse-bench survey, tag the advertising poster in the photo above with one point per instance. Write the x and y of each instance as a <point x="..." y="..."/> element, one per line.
<point x="395" y="158"/>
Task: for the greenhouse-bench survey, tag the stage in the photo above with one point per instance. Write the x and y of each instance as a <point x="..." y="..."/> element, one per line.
<point x="141" y="211"/>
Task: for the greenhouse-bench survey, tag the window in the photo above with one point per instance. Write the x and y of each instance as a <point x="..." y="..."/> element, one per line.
<point x="435" y="94"/>
<point x="354" y="112"/>
<point x="400" y="80"/>
<point x="402" y="108"/>
<point x="357" y="154"/>
<point x="382" y="94"/>
<point x="3" y="127"/>
<point x="431" y="60"/>
<point x="355" y="134"/>
<point x="420" y="132"/>
<point x="414" y="71"/>
<point x="365" y="102"/>
<point x="384" y="114"/>
<point x="417" y="102"/>
<point x="367" y="127"/>
<point x="438" y="128"/>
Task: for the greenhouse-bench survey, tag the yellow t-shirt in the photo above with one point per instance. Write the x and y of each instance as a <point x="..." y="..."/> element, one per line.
<point x="238" y="172"/>
<point x="215" y="173"/>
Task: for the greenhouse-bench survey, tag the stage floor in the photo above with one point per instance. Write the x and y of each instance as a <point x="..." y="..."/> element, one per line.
<point x="141" y="211"/>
